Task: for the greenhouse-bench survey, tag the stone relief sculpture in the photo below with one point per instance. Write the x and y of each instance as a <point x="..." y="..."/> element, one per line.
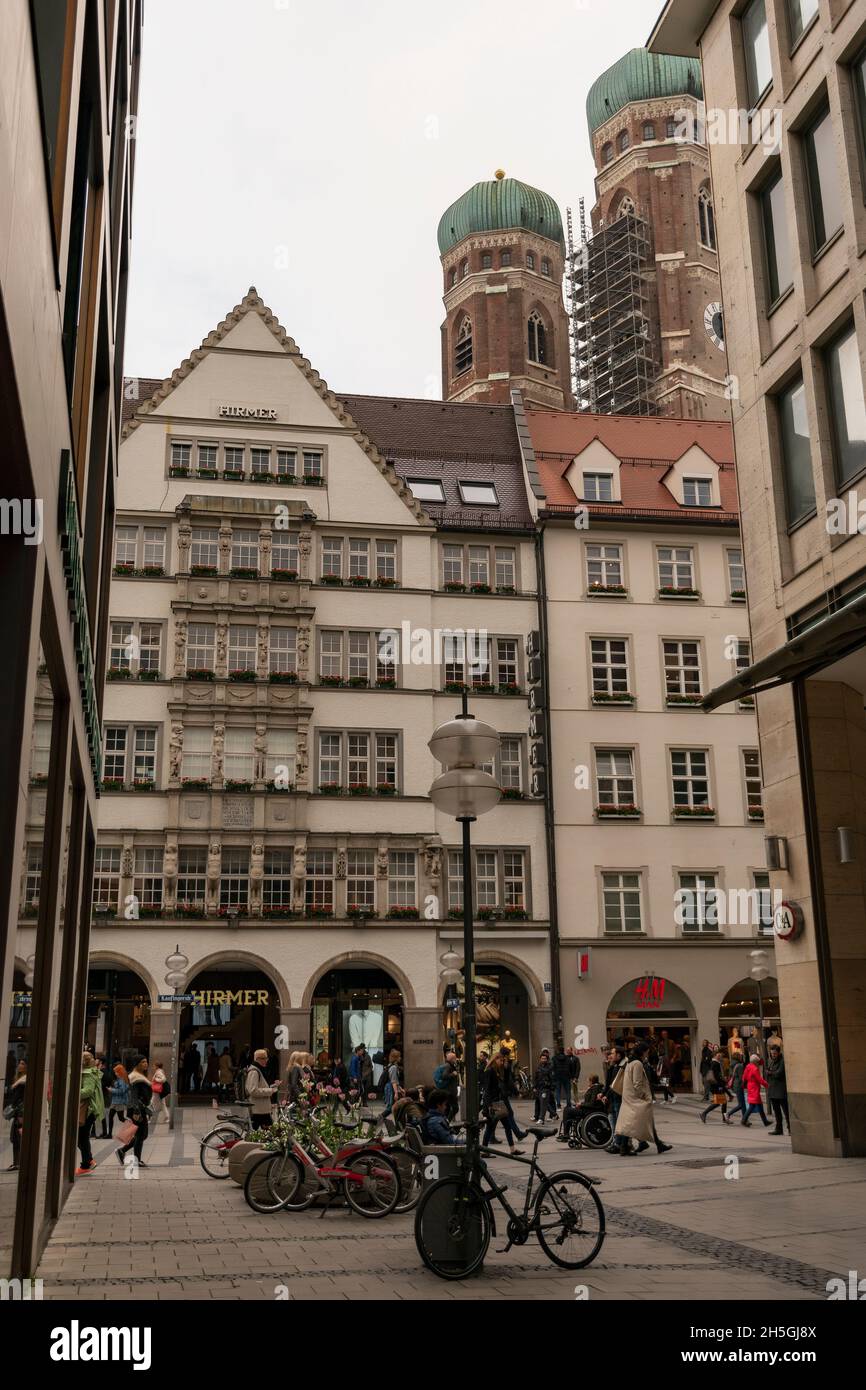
<point x="341" y="863"/>
<point x="219" y="739"/>
<point x="214" y="864"/>
<point x="382" y="862"/>
<point x="127" y="863"/>
<point x="176" y="752"/>
<point x="433" y="861"/>
<point x="179" y="647"/>
<point x="260" y="745"/>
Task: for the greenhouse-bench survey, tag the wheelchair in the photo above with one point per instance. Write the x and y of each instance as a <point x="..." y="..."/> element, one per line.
<point x="592" y="1131"/>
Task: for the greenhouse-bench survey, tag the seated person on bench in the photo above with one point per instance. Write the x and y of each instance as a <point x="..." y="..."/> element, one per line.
<point x="435" y="1129"/>
<point x="572" y="1114"/>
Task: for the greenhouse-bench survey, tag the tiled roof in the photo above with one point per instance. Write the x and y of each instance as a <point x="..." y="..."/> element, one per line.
<point x="646" y="448"/>
<point x="137" y="389"/>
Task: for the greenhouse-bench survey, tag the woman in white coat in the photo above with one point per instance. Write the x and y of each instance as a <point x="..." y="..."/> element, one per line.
<point x="635" y="1120"/>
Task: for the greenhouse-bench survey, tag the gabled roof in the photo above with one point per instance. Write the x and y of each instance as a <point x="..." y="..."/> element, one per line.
<point x="253" y="304"/>
<point x="646" y="447"/>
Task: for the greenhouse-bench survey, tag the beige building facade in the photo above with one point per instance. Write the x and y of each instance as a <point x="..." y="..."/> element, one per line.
<point x="791" y="229"/>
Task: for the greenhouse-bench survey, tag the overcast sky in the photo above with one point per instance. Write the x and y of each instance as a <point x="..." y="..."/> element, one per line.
<point x="309" y="148"/>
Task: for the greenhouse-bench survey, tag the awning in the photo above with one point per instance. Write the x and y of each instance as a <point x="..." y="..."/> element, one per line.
<point x="828" y="640"/>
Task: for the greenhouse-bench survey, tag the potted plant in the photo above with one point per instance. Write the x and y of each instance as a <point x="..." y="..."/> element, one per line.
<point x="118" y="673"/>
<point x="144" y="784"/>
<point x="271" y="912"/>
<point x="261" y="477"/>
<point x="207" y="473"/>
<point x="512" y="794"/>
<point x="358" y="682"/>
<point x="598" y="588"/>
<point x="237" y="784"/>
<point x="675" y="698"/>
<point x="385" y="789"/>
<point x="694" y="812"/>
<point x="360" y="789"/>
<point x="187" y="909"/>
<point x="153" y="675"/>
<point x="283" y="677"/>
<point x="455" y="914"/>
<point x="386" y="682"/>
<point x="359" y="581"/>
<point x="509" y="688"/>
<point x="234" y="475"/>
<point x="756" y="813"/>
<point x="385" y="582"/>
<point x="125" y="567"/>
<point x="243" y="674"/>
<point x="285" y="576"/>
<point x="243" y="572"/>
<point x="203" y="571"/>
<point x="738" y="594"/>
<point x="152" y="572"/>
<point x="403" y="914"/>
<point x="330" y="789"/>
<point x="619" y="697"/>
<point x="149" y="910"/>
<point x="506" y="589"/>
<point x="313" y="480"/>
<point x="515" y="914"/>
<point x="455" y="687"/>
<point x="195" y="784"/>
<point x="282" y="787"/>
<point x="199" y="673"/>
<point x="178" y="470"/>
<point x="482" y="687"/>
<point x="39" y="779"/>
<point x="320" y="912"/>
<point x="285" y="479"/>
<point x="112" y="784"/>
<point x="333" y="681"/>
<point x="479" y="587"/>
<point x="334" y="579"/>
<point x="678" y="591"/>
<point x="454" y="586"/>
<point x="623" y="811"/>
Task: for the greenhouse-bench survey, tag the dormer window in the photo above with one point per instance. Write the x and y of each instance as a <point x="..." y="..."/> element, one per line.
<point x="537" y="336"/>
<point x="426" y="489"/>
<point x="698" y="492"/>
<point x="463" y="347"/>
<point x="598" y="487"/>
<point x="479" y="494"/>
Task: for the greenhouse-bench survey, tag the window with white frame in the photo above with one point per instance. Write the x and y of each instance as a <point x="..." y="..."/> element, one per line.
<point x="478" y="494"/>
<point x="698" y="492"/>
<point x="147" y="883"/>
<point x="204" y="548"/>
<point x="280" y="761"/>
<point x="235" y="878"/>
<point x="454" y="657"/>
<point x="359" y="558"/>
<point x="736" y="574"/>
<point x="319" y="888"/>
<point x="106" y="876"/>
<point x="153" y="547"/>
<point x="506" y="660"/>
<point x="690" y="781"/>
<point x="332" y="556"/>
<point x="478" y="665"/>
<point x="452" y="564"/>
<point x="192" y="875"/>
<point x="234" y="457"/>
<point x="287" y="462"/>
<point x="150" y="646"/>
<point x="331" y="655"/>
<point x="359" y="656"/>
<point x="284" y="551"/>
<point x="764" y="896"/>
<point x="486" y="879"/>
<point x="505" y="559"/>
<point x="676" y="567"/>
<point x="742" y="655"/>
<point x="479" y="564"/>
<point x="514" y="879"/>
<point x="313" y="463"/>
<point x="598" y="487"/>
<point x="386" y="760"/>
<point x="32" y="875"/>
<point x="126" y="545"/>
<point x="455" y="880"/>
<point x="239" y="760"/>
<point x="402" y="878"/>
<point x="283" y="654"/>
<point x="510" y="763"/>
<point x="181" y="454"/>
<point x="753" y="783"/>
<point x="698" y="904"/>
<point x="114" y="763"/>
<point x="200" y="646"/>
<point x="387" y="654"/>
<point x="140" y="545"/>
<point x="360" y="879"/>
<point x="197" y="750"/>
<point x="621" y="897"/>
<point x="242" y="647"/>
<point x="121" y="646"/>
<point x="277" y="878"/>
<point x="207" y="457"/>
<point x="144" y="755"/>
<point x="40" y="751"/>
<point x="245" y="549"/>
<point x="614" y="777"/>
<point x="330" y="760"/>
<point x="135" y="646"/>
<point x="609" y="666"/>
<point x="260" y="461"/>
<point x="682" y="660"/>
<point x="386" y="559"/>
<point x="358" y="759"/>
<point x="603" y="566"/>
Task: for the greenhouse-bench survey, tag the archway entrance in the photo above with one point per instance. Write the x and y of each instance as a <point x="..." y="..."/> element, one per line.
<point x="654" y="1009"/>
<point x="235" y="1011"/>
<point x="357" y="1004"/>
<point x="117" y="1019"/>
<point x="501" y="1013"/>
<point x="740" y="1016"/>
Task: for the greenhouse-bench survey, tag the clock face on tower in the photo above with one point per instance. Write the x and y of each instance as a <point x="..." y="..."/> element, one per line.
<point x="715" y="324"/>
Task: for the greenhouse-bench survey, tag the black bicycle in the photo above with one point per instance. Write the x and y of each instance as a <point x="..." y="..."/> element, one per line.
<point x="455" y="1218"/>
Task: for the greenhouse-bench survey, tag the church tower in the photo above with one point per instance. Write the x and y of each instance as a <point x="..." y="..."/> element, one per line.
<point x="503" y="252"/>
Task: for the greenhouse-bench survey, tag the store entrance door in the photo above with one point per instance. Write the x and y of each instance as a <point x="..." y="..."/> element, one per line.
<point x="357" y="1004"/>
<point x="236" y="1011"/>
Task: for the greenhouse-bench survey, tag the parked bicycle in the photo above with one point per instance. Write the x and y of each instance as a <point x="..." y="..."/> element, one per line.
<point x="362" y="1171"/>
<point x="455" y="1217"/>
<point x="217" y="1144"/>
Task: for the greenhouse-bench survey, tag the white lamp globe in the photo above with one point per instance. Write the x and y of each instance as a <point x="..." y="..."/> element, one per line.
<point x="465" y="792"/>
<point x="464" y="743"/>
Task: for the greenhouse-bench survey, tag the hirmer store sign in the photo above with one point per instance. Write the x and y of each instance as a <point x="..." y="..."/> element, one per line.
<point x="247" y="412"/>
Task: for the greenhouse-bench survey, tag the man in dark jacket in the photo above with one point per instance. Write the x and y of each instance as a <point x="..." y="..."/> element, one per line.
<point x="777" y="1090"/>
<point x="561" y="1077"/>
<point x="447" y="1079"/>
<point x="435" y="1128"/>
<point x="612" y="1098"/>
<point x="543" y="1080"/>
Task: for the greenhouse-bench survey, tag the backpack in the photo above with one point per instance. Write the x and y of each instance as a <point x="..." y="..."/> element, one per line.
<point x="441" y="1075"/>
<point x="241" y="1084"/>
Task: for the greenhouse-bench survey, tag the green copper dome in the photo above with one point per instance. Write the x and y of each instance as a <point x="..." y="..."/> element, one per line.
<point x="494" y="206"/>
<point x="641" y="76"/>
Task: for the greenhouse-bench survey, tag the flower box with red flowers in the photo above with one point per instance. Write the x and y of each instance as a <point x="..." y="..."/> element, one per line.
<point x="144" y="784"/>
<point x="619" y="698"/>
<point x="359" y="910"/>
<point x="152" y="572"/>
<point x="508" y="688"/>
<point x="284" y="576"/>
<point x="234" y="475"/>
<point x="360" y="789"/>
<point x="177" y="471"/>
<point x="506" y="589"/>
<point x="455" y="914"/>
<point x="756" y="813"/>
<point x="478" y="588"/>
<point x="693" y="812"/>
<point x="616" y="590"/>
<point x="189" y="910"/>
<point x="283" y="913"/>
<point x="118" y="673"/>
<point x="285" y="479"/>
<point x="359" y="581"/>
<point x="150" y="675"/>
<point x="245" y="674"/>
<point x="199" y="673"/>
<point x="333" y="579"/>
<point x="625" y="811"/>
<point x="39" y="779"/>
<point x="125" y="567"/>
<point x="319" y="912"/>
<point x="149" y="911"/>
<point x="512" y="794"/>
<point x="281" y="787"/>
<point x="259" y="476"/>
<point x="195" y="784"/>
<point x="358" y="682"/>
<point x="204" y="571"/>
<point x="455" y="687"/>
<point x="313" y="480"/>
<point x="206" y="473"/>
<point x="676" y="699"/>
<point x="386" y="682"/>
<point x="454" y="586"/>
<point x="403" y="914"/>
<point x="385" y="582"/>
<point x="238" y="909"/>
<point x="335" y="682"/>
<point x="112" y="784"/>
<point x="514" y="914"/>
<point x="330" y="789"/>
<point x="678" y="591"/>
<point x="243" y="572"/>
<point x="283" y="677"/>
<point x="234" y="784"/>
<point x="386" y="790"/>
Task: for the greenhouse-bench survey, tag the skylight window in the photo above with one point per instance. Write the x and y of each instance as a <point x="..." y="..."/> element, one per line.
<point x="426" y="489"/>
<point x="482" y="494"/>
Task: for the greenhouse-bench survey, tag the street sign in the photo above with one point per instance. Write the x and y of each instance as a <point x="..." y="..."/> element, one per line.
<point x="788" y="921"/>
<point x="176" y="998"/>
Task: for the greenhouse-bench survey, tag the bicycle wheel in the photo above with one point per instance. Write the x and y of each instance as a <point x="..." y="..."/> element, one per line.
<point x="595" y="1130"/>
<point x="377" y="1189"/>
<point x="411" y="1182"/>
<point x="271" y="1182"/>
<point x="213" y="1154"/>
<point x="569" y="1220"/>
<point x="452" y="1228"/>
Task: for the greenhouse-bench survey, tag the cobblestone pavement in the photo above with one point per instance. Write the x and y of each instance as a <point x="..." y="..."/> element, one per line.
<point x="678" y="1227"/>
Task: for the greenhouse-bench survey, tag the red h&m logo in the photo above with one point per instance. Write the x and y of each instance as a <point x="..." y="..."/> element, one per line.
<point x="649" y="992"/>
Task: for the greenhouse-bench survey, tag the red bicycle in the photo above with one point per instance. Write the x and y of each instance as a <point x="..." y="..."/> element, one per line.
<point x="292" y="1178"/>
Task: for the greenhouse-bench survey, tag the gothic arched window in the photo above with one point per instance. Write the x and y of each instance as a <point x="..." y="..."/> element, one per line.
<point x="537" y="339"/>
<point x="463" y="348"/>
<point x="606" y="153"/>
<point x="622" y="141"/>
<point x="625" y="208"/>
<point x="706" y="219"/>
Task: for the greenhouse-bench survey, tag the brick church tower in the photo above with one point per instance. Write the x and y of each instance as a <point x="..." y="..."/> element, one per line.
<point x="643" y="117"/>
<point x="503" y="253"/>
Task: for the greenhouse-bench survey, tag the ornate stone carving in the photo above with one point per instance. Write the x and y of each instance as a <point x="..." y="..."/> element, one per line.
<point x="433" y="860"/>
<point x="305" y="546"/>
<point x="264" y="651"/>
<point x="127" y="863"/>
<point x="303" y="651"/>
<point x="342" y="863"/>
<point x="222" y="646"/>
<point x="214" y="863"/>
<point x="175" y="752"/>
<point x="169" y="862"/>
<point x="179" y="646"/>
<point x="299" y="863"/>
<point x="260" y="744"/>
<point x="382" y="862"/>
<point x="219" y="741"/>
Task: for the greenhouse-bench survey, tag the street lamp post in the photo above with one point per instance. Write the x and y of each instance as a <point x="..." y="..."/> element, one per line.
<point x="759" y="971"/>
<point x="465" y="791"/>
<point x="175" y="978"/>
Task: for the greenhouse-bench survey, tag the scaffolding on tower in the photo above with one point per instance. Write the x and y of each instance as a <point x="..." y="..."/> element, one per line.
<point x="614" y="358"/>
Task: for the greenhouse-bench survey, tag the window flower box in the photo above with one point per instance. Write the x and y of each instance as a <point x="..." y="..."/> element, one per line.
<point x="39" y="779"/>
<point x="195" y="784"/>
<point x="334" y="682"/>
<point x="243" y="675"/>
<point x="232" y="784"/>
<point x="483" y="688"/>
<point x="356" y="910"/>
<point x="683" y="699"/>
<point x="694" y="813"/>
<point x="279" y="913"/>
<point x="118" y="673"/>
<point x="403" y="914"/>
<point x="358" y="682"/>
<point x="313" y="480"/>
<point x="738" y="595"/>
<point x="288" y="787"/>
<point x="622" y="697"/>
<point x="488" y="914"/>
<point x="150" y="675"/>
<point x="149" y="911"/>
<point x="506" y="589"/>
<point x="204" y="571"/>
<point x="319" y="913"/>
<point x="260" y="477"/>
<point x="283" y="677"/>
<point x="384" y="582"/>
<point x="508" y="688"/>
<point x="152" y="572"/>
<point x="625" y="811"/>
<point x="612" y="590"/>
<point x="189" y="910"/>
<point x="386" y="790"/>
<point x="330" y="789"/>
<point x="285" y="479"/>
<point x="756" y="813"/>
<point x="30" y="910"/>
<point x="454" y="586"/>
<point x="126" y="567"/>
<point x="199" y="673"/>
<point x="747" y="702"/>
<point x="678" y="591"/>
<point x="144" y="784"/>
<point x="455" y="914"/>
<point x="206" y="473"/>
<point x="112" y="784"/>
<point x="386" y="682"/>
<point x="243" y="572"/>
<point x="360" y="789"/>
<point x="42" y="669"/>
<point x="239" y="909"/>
<point x="512" y="794"/>
<point x="480" y="588"/>
<point x="234" y="475"/>
<point x="178" y="471"/>
<point x="334" y="579"/>
<point x="455" y="687"/>
<point x="359" y="581"/>
<point x="284" y="576"/>
<point x="515" y="914"/>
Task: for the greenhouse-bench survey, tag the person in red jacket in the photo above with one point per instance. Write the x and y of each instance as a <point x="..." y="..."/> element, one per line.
<point x="753" y="1080"/>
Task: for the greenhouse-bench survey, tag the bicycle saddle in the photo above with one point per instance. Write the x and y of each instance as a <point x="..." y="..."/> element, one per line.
<point x="541" y="1131"/>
